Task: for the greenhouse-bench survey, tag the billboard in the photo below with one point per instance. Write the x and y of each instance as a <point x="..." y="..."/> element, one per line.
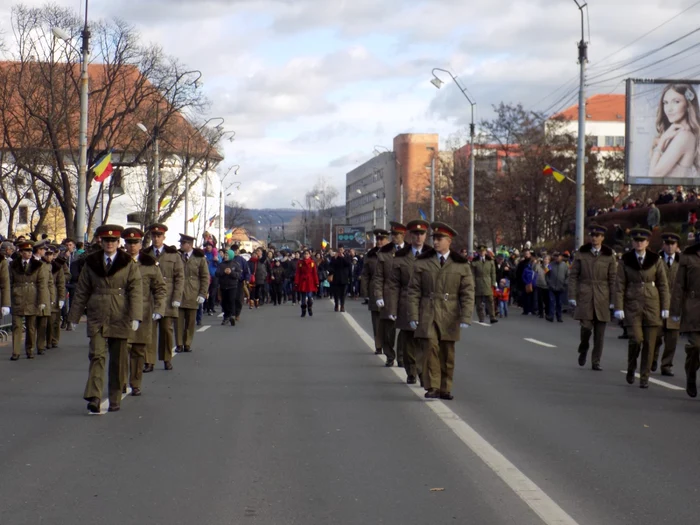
<point x="662" y="132"/>
<point x="350" y="237"/>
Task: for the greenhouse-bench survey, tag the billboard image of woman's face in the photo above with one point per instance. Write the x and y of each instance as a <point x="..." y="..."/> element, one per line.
<point x="663" y="134"/>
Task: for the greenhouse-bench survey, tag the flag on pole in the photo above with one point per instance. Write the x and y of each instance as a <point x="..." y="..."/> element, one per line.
<point x="450" y="199"/>
<point x="103" y="167"/>
<point x="558" y="175"/>
<point x="324" y="244"/>
<point x="212" y="219"/>
<point x="422" y="214"/>
<point x="164" y="202"/>
<point x="194" y="218"/>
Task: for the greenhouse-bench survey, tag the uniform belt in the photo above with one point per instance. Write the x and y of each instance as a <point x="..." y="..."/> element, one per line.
<point x="440" y="296"/>
<point x="652" y="283"/>
<point x="109" y="291"/>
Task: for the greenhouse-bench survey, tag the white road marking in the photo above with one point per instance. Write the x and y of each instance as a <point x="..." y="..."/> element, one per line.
<point x="524" y="487"/>
<point x="220" y="315"/>
<point x="482" y="324"/>
<point x="105" y="404"/>
<point x="535" y="341"/>
<point x="658" y="382"/>
<point x="204" y="328"/>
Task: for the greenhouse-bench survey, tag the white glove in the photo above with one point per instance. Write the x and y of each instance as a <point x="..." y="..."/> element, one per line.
<point x="367" y="299"/>
<point x="463" y="325"/>
<point x="676" y="319"/>
<point x="42" y="306"/>
<point x="572" y="302"/>
<point x="664" y="314"/>
<point x="135" y="325"/>
<point x="61" y="303"/>
<point x="612" y="306"/>
<point x="157" y="316"/>
<point x="619" y="314"/>
<point x="200" y="300"/>
<point x="5" y="310"/>
<point x="380" y="303"/>
<point x="495" y="285"/>
<point x="176" y="304"/>
<point x="413" y="325"/>
<point x="392" y="317"/>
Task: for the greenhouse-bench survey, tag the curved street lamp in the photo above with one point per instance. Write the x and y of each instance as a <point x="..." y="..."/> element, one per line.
<point x="435" y="81"/>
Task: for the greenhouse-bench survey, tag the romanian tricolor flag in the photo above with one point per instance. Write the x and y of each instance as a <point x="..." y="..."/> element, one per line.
<point x="324" y="244"/>
<point x="212" y="219"/>
<point x="194" y="218"/>
<point x="103" y="167"/>
<point x="164" y="202"/>
<point x="558" y="175"/>
<point x="452" y="200"/>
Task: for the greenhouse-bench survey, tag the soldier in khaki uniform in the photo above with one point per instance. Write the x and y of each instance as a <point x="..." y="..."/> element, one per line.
<point x="195" y="291"/>
<point x="397" y="299"/>
<point x="592" y="293"/>
<point x="170" y="264"/>
<point x="685" y="308"/>
<point x="668" y="335"/>
<point x="154" y="297"/>
<point x="440" y="304"/>
<point x="484" y="281"/>
<point x="43" y="318"/>
<point x="385" y="260"/>
<point x="109" y="287"/>
<point x="58" y="296"/>
<point x="369" y="271"/>
<point x="642" y="300"/>
<point x="30" y="297"/>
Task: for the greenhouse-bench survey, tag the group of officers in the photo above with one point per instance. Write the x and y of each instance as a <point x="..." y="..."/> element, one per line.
<point x="428" y="294"/>
<point x="135" y="299"/>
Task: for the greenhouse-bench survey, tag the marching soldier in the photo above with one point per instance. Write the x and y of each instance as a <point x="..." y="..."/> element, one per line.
<point x="30" y="297"/>
<point x="385" y="259"/>
<point x="369" y="271"/>
<point x="592" y="293"/>
<point x="484" y="281"/>
<point x="685" y="308"/>
<point x="170" y="264"/>
<point x="58" y="296"/>
<point x="43" y="318"/>
<point x="109" y="287"/>
<point x="668" y="334"/>
<point x="440" y="304"/>
<point x="195" y="291"/>
<point x="397" y="299"/>
<point x="642" y="300"/>
<point x="154" y="297"/>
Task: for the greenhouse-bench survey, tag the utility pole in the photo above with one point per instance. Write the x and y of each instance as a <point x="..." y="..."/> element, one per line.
<point x="581" y="159"/>
<point x="156" y="175"/>
<point x="187" y="197"/>
<point x="432" y="185"/>
<point x="80" y="208"/>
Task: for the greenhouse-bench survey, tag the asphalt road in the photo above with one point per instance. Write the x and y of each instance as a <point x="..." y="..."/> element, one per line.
<point x="283" y="420"/>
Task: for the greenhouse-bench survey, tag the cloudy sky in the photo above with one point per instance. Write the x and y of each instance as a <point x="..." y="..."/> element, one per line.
<point x="311" y="86"/>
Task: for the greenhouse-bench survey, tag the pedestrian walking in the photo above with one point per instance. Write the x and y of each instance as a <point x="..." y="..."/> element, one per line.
<point x="340" y="269"/>
<point x="369" y="272"/>
<point x="484" y="270"/>
<point x="194" y="294"/>
<point x="110" y="288"/>
<point x="306" y="282"/>
<point x="670" y="329"/>
<point x="440" y="305"/>
<point x="228" y="274"/>
<point x="642" y="301"/>
<point x="557" y="283"/>
<point x="592" y="293"/>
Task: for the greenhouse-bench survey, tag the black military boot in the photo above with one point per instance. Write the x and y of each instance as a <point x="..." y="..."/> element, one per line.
<point x="303" y="311"/>
<point x="690" y="385"/>
<point x="311" y="303"/>
<point x="631" y="363"/>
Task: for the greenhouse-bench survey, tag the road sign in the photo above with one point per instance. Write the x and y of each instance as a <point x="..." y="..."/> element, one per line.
<point x="350" y="237"/>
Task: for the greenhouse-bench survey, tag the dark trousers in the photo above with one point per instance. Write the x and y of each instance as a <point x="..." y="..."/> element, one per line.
<point x="211" y="300"/>
<point x="276" y="292"/>
<point x="692" y="355"/>
<point x="413" y="356"/>
<point x="238" y="300"/>
<point x="542" y="301"/>
<point x="555" y="303"/>
<point x="484" y="305"/>
<point x="597" y="328"/>
<point x="669" y="340"/>
<point x="528" y="302"/>
<point x="375" y="331"/>
<point x="228" y="301"/>
<point x="339" y="293"/>
<point x="387" y="334"/>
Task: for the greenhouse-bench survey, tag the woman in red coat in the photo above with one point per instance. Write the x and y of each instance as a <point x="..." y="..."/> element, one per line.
<point x="306" y="282"/>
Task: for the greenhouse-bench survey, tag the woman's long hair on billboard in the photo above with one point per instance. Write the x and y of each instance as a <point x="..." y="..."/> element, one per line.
<point x="692" y="117"/>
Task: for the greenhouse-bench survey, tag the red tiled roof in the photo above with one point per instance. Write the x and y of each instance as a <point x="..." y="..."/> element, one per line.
<point x="601" y="108"/>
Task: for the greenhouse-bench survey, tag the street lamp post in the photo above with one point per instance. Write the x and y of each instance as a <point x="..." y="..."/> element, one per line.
<point x="581" y="149"/>
<point x="81" y="205"/>
<point x="156" y="167"/>
<point x="222" y="208"/>
<point x="438" y="83"/>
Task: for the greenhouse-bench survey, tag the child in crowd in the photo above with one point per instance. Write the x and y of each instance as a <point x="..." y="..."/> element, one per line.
<point x="503" y="295"/>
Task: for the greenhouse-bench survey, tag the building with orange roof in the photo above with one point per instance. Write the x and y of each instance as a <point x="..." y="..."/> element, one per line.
<point x="605" y="121"/>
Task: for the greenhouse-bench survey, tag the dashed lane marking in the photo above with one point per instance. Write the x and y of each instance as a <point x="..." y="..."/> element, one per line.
<point x="658" y="382"/>
<point x="524" y="487"/>
<point x="204" y="328"/>
<point x="483" y="324"/>
<point x="537" y="342"/>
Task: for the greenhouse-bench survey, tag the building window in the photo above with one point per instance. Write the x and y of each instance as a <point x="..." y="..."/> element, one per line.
<point x="23" y="217"/>
<point x="620" y="142"/>
<point x="609" y="141"/>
